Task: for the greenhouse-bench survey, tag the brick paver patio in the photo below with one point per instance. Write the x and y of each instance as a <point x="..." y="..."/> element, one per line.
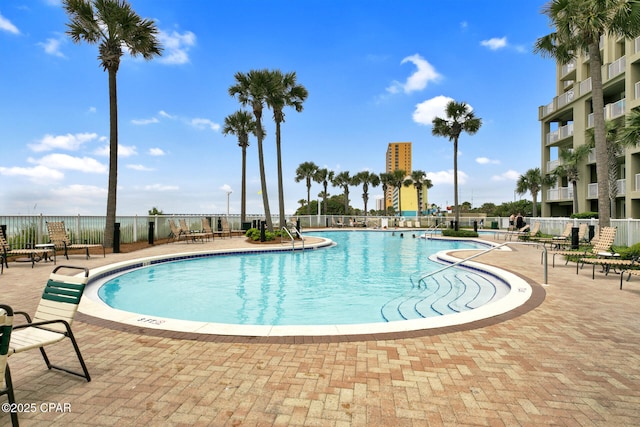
<point x="573" y="360"/>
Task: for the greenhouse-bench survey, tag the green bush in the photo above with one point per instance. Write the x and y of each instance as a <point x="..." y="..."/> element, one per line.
<point x="628" y="252"/>
<point x="254" y="234"/>
<point x="584" y="215"/>
<point x="448" y="232"/>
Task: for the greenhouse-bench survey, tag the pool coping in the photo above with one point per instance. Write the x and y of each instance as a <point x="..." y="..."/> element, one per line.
<point x="526" y="296"/>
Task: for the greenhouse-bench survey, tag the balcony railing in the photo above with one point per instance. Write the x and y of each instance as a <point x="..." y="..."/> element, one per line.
<point x="585" y="86"/>
<point x="567" y="68"/>
<point x="591" y="158"/>
<point x="636" y="45"/>
<point x="637" y="178"/>
<point x="552" y="164"/>
<point x="592" y="191"/>
<point x="636" y="90"/>
<point x="611" y="111"/>
<point x="562" y="193"/>
<point x="565" y="98"/>
<point x="617" y="67"/>
<point x="561" y="133"/>
<point x="622" y="187"/>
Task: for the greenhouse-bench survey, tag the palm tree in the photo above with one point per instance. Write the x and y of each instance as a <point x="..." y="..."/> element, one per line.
<point x="113" y="26"/>
<point x="579" y="24"/>
<point x="366" y="178"/>
<point x="241" y="124"/>
<point x="419" y="180"/>
<point x="396" y="180"/>
<point x="343" y="180"/>
<point x="385" y="180"/>
<point x="614" y="150"/>
<point x="324" y="176"/>
<point x="532" y="181"/>
<point x="307" y="171"/>
<point x="460" y="118"/>
<point x="569" y="168"/>
<point x="251" y="90"/>
<point x="283" y="92"/>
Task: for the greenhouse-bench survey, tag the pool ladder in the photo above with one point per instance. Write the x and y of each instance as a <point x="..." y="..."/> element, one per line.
<point x="293" y="240"/>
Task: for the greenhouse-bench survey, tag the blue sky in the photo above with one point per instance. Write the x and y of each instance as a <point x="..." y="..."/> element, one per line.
<point x="376" y="71"/>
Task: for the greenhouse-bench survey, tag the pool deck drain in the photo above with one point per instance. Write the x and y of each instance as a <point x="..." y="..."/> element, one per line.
<point x="573" y="360"/>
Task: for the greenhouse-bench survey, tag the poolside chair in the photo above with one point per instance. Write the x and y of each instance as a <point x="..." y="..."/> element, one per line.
<point x="206" y="229"/>
<point x="53" y="318"/>
<point x="336" y="223"/>
<point x="35" y="255"/>
<point x="191" y="235"/>
<point x="6" y="385"/>
<point x="226" y="230"/>
<point x="629" y="273"/>
<point x="58" y="236"/>
<point x="601" y="247"/>
<point x="557" y="240"/>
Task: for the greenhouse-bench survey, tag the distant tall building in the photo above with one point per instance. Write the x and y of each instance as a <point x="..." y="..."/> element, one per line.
<point x="399" y="158"/>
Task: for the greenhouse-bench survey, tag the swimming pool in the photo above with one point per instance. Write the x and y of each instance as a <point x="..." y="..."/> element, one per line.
<point x="366" y="278"/>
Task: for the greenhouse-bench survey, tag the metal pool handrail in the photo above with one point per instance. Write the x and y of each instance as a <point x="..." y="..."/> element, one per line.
<point x="293" y="240"/>
<point x="544" y="259"/>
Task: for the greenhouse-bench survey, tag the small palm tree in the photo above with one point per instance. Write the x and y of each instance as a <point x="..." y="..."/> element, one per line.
<point x="385" y="181"/>
<point x="283" y="92"/>
<point x="324" y="176"/>
<point x="614" y="150"/>
<point x="397" y="180"/>
<point x="343" y="180"/>
<point x="579" y="24"/>
<point x="366" y="178"/>
<point x="460" y="118"/>
<point x="419" y="180"/>
<point x="569" y="168"/>
<point x="251" y="90"/>
<point x="113" y="26"/>
<point x="307" y="171"/>
<point x="241" y="124"/>
<point x="532" y="181"/>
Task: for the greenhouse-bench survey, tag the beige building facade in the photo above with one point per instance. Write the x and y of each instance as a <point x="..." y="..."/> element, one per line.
<point x="399" y="157"/>
<point x="568" y="116"/>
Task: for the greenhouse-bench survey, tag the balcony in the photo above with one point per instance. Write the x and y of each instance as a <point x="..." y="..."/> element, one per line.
<point x="611" y="111"/>
<point x="562" y="193"/>
<point x="585" y="86"/>
<point x="552" y="164"/>
<point x="591" y="158"/>
<point x="622" y="187"/>
<point x="568" y="68"/>
<point x="617" y="67"/>
<point x="561" y="133"/>
<point x="637" y="178"/>
<point x="636" y="45"/>
<point x="592" y="191"/>
<point x="565" y="98"/>
<point x="636" y="90"/>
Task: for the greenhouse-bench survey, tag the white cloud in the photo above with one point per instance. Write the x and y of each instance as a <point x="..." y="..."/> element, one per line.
<point x="63" y="142"/>
<point x="428" y="110"/>
<point x="446" y="177"/>
<point x="37" y="174"/>
<point x="65" y="161"/>
<point x="145" y="121"/>
<point x="204" y="123"/>
<point x="160" y="187"/>
<point x="92" y="110"/>
<point x="52" y="47"/>
<point x="163" y="113"/>
<point x="156" y="152"/>
<point x="123" y="150"/>
<point x="495" y="43"/>
<point x="226" y="188"/>
<point x="486" y="161"/>
<point x="419" y="79"/>
<point x="76" y="191"/>
<point x="6" y="25"/>
<point x="509" y="175"/>
<point x="141" y="168"/>
<point x="176" y="46"/>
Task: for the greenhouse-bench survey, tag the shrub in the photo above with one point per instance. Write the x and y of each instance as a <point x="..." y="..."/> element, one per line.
<point x="584" y="215"/>
<point x="460" y="233"/>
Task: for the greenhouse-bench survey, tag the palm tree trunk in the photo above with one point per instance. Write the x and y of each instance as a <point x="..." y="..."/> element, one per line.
<point x="574" y="184"/>
<point x="280" y="184"/>
<point x="113" y="161"/>
<point x="534" y="196"/>
<point x="308" y="196"/>
<point x="243" y="191"/>
<point x="455" y="183"/>
<point x="324" y="198"/>
<point x="602" y="165"/>
<point x="263" y="176"/>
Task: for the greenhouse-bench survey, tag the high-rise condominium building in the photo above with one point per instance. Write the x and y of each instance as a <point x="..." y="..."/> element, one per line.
<point x="568" y="116"/>
<point x="399" y="158"/>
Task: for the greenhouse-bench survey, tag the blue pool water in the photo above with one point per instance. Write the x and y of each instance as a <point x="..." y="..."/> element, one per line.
<point x="366" y="277"/>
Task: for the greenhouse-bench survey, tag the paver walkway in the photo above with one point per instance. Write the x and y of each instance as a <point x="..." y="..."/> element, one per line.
<point x="574" y="360"/>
